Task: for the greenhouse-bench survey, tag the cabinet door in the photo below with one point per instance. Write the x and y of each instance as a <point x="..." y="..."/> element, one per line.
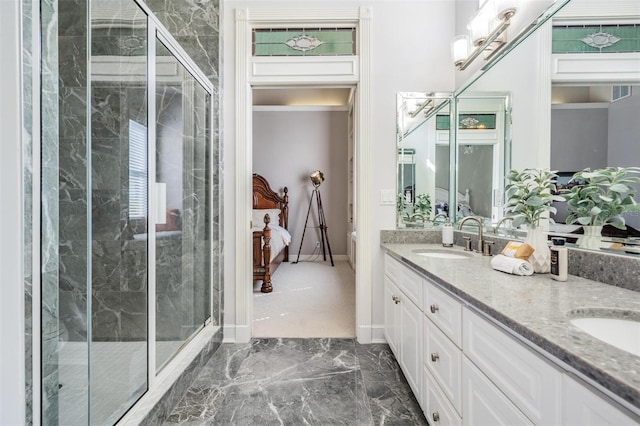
<point x="444" y="311"/>
<point x="391" y="314"/>
<point x="444" y="361"/>
<point x="437" y="408"/>
<point x="583" y="407"/>
<point x="411" y="342"/>
<point x="532" y="383"/>
<point x="483" y="403"/>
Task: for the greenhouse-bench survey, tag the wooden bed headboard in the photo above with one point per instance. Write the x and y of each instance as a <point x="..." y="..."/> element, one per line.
<point x="266" y="198"/>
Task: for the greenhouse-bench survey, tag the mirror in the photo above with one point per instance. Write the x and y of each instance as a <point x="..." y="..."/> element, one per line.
<point x="483" y="153"/>
<point x="538" y="101"/>
<point x="576" y="98"/>
<point x="423" y="138"/>
<point x="423" y="157"/>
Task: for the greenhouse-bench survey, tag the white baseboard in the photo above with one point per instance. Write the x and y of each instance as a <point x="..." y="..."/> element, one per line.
<point x="377" y="334"/>
<point x="236" y="333"/>
<point x="305" y="257"/>
<point x="229" y="333"/>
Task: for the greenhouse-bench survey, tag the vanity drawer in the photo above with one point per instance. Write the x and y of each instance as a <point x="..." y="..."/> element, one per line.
<point x="484" y="404"/>
<point x="436" y="407"/>
<point x="444" y="361"/>
<point x="444" y="311"/>
<point x="407" y="280"/>
<point x="392" y="268"/>
<point x="411" y="285"/>
<point x="533" y="385"/>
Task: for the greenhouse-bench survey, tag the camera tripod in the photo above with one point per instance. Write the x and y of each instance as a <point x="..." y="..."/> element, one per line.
<point x="322" y="225"/>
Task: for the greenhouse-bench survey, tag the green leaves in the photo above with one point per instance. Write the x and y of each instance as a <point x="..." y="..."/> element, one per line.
<point x="423" y="204"/>
<point x="529" y="195"/>
<point x="602" y="195"/>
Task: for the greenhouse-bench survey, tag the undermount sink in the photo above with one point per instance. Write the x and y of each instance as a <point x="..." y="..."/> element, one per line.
<point x="442" y="253"/>
<point x="617" y="328"/>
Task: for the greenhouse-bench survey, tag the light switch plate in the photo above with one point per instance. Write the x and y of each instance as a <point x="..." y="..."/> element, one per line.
<point x="387" y="197"/>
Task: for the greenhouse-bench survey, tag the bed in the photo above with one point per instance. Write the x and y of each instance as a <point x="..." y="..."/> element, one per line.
<point x="271" y="237"/>
<point x="442" y="202"/>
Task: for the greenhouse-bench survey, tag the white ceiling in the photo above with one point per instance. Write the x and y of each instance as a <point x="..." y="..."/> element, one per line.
<point x="302" y="96"/>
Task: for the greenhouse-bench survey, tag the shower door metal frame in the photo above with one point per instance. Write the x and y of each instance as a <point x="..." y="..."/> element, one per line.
<point x="154" y="29"/>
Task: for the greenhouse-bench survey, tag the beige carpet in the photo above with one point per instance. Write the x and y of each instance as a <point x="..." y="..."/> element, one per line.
<point x="309" y="299"/>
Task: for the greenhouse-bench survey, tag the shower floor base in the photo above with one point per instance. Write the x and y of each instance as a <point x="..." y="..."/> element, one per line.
<point x="118" y="378"/>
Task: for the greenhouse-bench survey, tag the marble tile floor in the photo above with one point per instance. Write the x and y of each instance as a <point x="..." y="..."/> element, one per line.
<point x="285" y="381"/>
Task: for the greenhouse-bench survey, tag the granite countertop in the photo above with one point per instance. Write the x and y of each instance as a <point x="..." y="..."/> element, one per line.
<point x="539" y="309"/>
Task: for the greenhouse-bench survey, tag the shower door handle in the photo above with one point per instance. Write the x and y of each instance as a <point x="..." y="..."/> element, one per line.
<point x="161" y="203"/>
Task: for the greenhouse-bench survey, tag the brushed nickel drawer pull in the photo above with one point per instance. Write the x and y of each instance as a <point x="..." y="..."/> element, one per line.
<point x="435" y="357"/>
<point x="434" y="309"/>
<point x="435" y="416"/>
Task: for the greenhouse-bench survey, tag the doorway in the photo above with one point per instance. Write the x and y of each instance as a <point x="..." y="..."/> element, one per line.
<point x="297" y="130"/>
<point x="251" y="71"/>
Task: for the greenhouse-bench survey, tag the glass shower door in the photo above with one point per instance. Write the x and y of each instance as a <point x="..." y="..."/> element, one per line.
<point x="118" y="208"/>
<point x="182" y="234"/>
<point x="94" y="249"/>
<point x="124" y="283"/>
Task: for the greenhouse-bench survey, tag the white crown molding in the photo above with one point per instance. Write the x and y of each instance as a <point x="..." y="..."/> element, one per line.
<point x="596" y="67"/>
<point x="300" y="108"/>
<point x="599" y="10"/>
<point x="582" y="105"/>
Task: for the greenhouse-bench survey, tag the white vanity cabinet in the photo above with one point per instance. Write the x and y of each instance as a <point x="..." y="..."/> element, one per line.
<point x="532" y="384"/>
<point x="465" y="368"/>
<point x="442" y="356"/>
<point x="584" y="407"/>
<point x="403" y="319"/>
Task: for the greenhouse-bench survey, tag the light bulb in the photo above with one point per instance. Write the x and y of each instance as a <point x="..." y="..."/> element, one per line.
<point x="460" y="49"/>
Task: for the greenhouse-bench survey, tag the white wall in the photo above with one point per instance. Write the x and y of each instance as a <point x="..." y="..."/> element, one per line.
<point x="623" y="148"/>
<point x="521" y="74"/>
<point x="411" y="52"/>
<point x="12" y="358"/>
<point x="579" y="138"/>
<point x="287" y="147"/>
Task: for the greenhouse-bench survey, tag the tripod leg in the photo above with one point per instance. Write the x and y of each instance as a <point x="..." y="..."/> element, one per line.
<point x="304" y="230"/>
<point x="323" y="227"/>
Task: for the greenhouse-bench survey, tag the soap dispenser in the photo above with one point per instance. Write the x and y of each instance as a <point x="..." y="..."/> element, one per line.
<point x="447" y="234"/>
<point x="559" y="260"/>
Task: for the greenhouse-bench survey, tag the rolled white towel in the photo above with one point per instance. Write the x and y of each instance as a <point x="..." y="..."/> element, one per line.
<point x="511" y="265"/>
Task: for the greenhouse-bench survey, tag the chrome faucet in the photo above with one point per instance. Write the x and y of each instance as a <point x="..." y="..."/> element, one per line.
<point x="478" y="220"/>
<point x="416" y="216"/>
<point x="504" y="219"/>
<point x="440" y="215"/>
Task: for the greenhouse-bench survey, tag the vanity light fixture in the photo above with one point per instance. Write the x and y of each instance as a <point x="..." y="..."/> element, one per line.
<point x="486" y="32"/>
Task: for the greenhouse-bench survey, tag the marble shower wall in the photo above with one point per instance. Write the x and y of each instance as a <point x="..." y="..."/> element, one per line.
<point x="27" y="182"/>
<point x="195" y="24"/>
<point x="183" y="245"/>
<point x="50" y="332"/>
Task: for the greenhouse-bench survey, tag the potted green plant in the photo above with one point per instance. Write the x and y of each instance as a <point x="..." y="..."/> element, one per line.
<point x="529" y="196"/>
<point x="422" y="205"/>
<point x="600" y="197"/>
<point x="400" y="209"/>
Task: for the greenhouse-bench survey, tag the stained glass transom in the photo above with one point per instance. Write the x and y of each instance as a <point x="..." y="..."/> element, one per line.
<point x="304" y="41"/>
<point x="468" y="122"/>
<point x="596" y="38"/>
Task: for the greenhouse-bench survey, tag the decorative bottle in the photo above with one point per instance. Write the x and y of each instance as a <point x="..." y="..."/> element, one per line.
<point x="447" y="234"/>
<point x="559" y="259"/>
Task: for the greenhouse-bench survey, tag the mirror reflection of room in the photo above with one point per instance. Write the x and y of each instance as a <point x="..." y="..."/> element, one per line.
<point x="573" y="102"/>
